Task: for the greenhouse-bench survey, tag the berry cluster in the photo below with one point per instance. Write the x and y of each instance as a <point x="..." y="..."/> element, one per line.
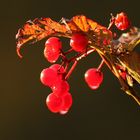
<point x="60" y="100"/>
<point x="56" y="76"/>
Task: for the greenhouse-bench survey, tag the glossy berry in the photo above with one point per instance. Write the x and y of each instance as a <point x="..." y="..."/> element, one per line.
<point x="60" y="87"/>
<point x="78" y="42"/>
<point x="58" y="68"/>
<point x="50" y="54"/>
<point x="121" y="21"/>
<point x="59" y="104"/>
<point x="48" y="76"/>
<point x="93" y="78"/>
<point x="54" y="103"/>
<point x="66" y="103"/>
<point x="52" y="49"/>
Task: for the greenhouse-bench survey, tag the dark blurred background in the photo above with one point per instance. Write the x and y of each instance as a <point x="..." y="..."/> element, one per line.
<point x="105" y="114"/>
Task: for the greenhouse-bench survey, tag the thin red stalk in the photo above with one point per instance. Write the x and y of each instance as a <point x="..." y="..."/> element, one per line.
<point x="101" y="64"/>
<point x="67" y="52"/>
<point x="66" y="67"/>
<point x="80" y="56"/>
<point x="112" y="20"/>
<point x="71" y="69"/>
<point x="85" y="54"/>
<point x="76" y="59"/>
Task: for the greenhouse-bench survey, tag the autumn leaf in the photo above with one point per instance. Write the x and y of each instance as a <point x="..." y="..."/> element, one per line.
<point x="39" y="29"/>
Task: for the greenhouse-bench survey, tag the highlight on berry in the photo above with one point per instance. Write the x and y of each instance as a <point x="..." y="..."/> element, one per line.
<point x="85" y="37"/>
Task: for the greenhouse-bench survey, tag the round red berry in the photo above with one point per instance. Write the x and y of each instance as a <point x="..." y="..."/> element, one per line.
<point x="54" y="103"/>
<point x="78" y="42"/>
<point x="50" y="54"/>
<point x="121" y="21"/>
<point x="52" y="49"/>
<point x="60" y="87"/>
<point x="93" y="78"/>
<point x="66" y="103"/>
<point x="48" y="76"/>
<point x="58" y="68"/>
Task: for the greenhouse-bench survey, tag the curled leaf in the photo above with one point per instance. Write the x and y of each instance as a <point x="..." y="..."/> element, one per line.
<point x="39" y="29"/>
<point x="36" y="30"/>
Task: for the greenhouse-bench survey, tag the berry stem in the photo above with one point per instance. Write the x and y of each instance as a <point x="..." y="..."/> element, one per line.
<point x="112" y="20"/>
<point x="64" y="58"/>
<point x="76" y="59"/>
<point x="80" y="56"/>
<point x="100" y="66"/>
<point x="66" y="66"/>
<point x="67" y="52"/>
<point x="71" y="69"/>
<point x="85" y="54"/>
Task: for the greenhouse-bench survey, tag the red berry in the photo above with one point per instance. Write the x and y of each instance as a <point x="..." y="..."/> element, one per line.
<point x="121" y="21"/>
<point x="50" y="54"/>
<point x="54" y="42"/>
<point x="66" y="103"/>
<point x="48" y="76"/>
<point x="54" y="103"/>
<point x="93" y="78"/>
<point x="59" y="104"/>
<point x="60" y="87"/>
<point x="78" y="42"/>
<point x="58" y="68"/>
<point x="52" y="49"/>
